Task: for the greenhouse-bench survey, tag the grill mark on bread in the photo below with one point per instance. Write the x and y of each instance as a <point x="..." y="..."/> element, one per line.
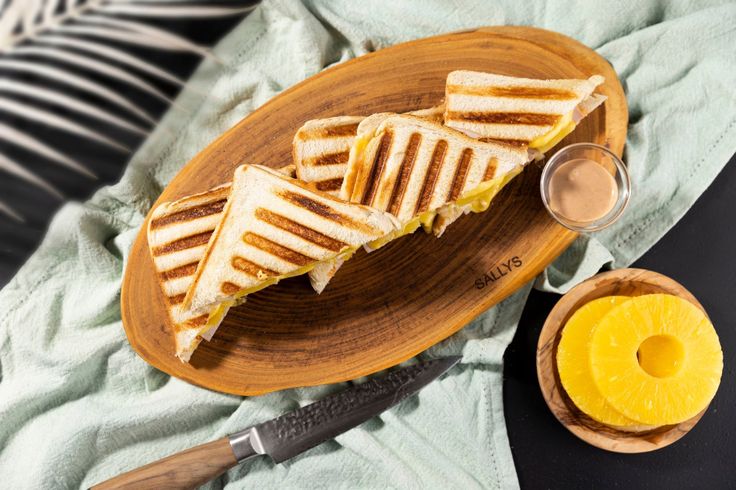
<point x="526" y="118"/>
<point x="181" y="271"/>
<point x="300" y="230"/>
<point x="516" y="143"/>
<point x="490" y="169"/>
<point x="317" y="207"/>
<point x="430" y="179"/>
<point x="251" y="268"/>
<point x="329" y="132"/>
<point x="461" y="173"/>
<point x="379" y="163"/>
<point x="407" y="164"/>
<point x="337" y="158"/>
<point x="176" y="300"/>
<point x="549" y="93"/>
<point x="284" y="253"/>
<point x="230" y="288"/>
<point x="196" y="322"/>
<point x="324" y="210"/>
<point x="329" y="184"/>
<point x="190" y="214"/>
<point x="183" y="243"/>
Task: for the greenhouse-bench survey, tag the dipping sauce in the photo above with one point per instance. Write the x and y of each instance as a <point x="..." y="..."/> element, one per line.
<point x="581" y="190"/>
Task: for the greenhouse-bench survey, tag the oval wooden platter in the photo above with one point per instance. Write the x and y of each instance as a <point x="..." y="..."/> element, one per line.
<point x="387" y="307"/>
<point x="624" y="282"/>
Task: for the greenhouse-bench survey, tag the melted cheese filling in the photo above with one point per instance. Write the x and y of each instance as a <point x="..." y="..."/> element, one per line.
<point x="424" y="220"/>
<point x="216" y="316"/>
<point x="562" y="128"/>
<point x="479" y="199"/>
<point x="218" y="312"/>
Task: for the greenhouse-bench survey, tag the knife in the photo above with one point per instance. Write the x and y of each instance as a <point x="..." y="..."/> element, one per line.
<point x="286" y="436"/>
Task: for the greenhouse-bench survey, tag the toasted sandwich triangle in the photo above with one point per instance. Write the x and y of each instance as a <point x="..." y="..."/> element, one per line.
<point x="519" y="111"/>
<point x="275" y="227"/>
<point x="178" y="233"/>
<point x="411" y="167"/>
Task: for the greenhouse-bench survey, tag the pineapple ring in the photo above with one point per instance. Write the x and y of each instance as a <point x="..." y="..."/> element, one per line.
<point x="573" y="363"/>
<point x="665" y="380"/>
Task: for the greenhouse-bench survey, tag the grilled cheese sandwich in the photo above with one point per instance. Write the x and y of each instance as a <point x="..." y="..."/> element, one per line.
<point x="520" y="111"/>
<point x="423" y="173"/>
<point x="274" y="227"/>
<point x="178" y="233"/>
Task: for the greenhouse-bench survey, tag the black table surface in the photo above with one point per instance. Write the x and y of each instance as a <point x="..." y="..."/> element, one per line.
<point x="697" y="252"/>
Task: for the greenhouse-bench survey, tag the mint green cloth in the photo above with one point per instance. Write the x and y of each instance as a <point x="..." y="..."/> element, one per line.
<point x="78" y="406"/>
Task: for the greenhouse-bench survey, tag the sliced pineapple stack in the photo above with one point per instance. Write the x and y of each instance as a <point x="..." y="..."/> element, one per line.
<point x="641" y="362"/>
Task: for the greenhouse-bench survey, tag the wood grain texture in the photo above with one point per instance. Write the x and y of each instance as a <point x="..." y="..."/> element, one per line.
<point x="387" y="307"/>
<point x="187" y="469"/>
<point x="624" y="282"/>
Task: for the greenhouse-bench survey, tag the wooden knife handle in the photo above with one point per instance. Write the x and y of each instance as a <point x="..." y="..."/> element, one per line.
<point x="187" y="469"/>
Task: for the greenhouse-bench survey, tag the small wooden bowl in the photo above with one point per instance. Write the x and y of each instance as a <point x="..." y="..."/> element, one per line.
<point x="624" y="282"/>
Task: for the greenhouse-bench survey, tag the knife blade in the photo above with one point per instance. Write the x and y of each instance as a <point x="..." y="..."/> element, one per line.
<point x="288" y="435"/>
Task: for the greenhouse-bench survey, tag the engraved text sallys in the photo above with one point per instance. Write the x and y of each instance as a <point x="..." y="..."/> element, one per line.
<point x="498" y="272"/>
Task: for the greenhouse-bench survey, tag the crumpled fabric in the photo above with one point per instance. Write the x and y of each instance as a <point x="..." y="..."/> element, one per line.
<point x="77" y="406"/>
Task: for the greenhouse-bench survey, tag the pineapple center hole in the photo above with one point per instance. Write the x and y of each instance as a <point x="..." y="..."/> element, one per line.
<point x="661" y="356"/>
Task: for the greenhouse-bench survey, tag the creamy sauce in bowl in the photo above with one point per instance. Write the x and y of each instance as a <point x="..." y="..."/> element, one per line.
<point x="582" y="190"/>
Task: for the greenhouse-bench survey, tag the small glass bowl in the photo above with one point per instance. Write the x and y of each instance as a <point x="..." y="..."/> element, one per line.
<point x="608" y="160"/>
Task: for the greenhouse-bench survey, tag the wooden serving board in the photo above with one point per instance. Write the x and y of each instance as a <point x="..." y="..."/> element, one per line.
<point x="387" y="307"/>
